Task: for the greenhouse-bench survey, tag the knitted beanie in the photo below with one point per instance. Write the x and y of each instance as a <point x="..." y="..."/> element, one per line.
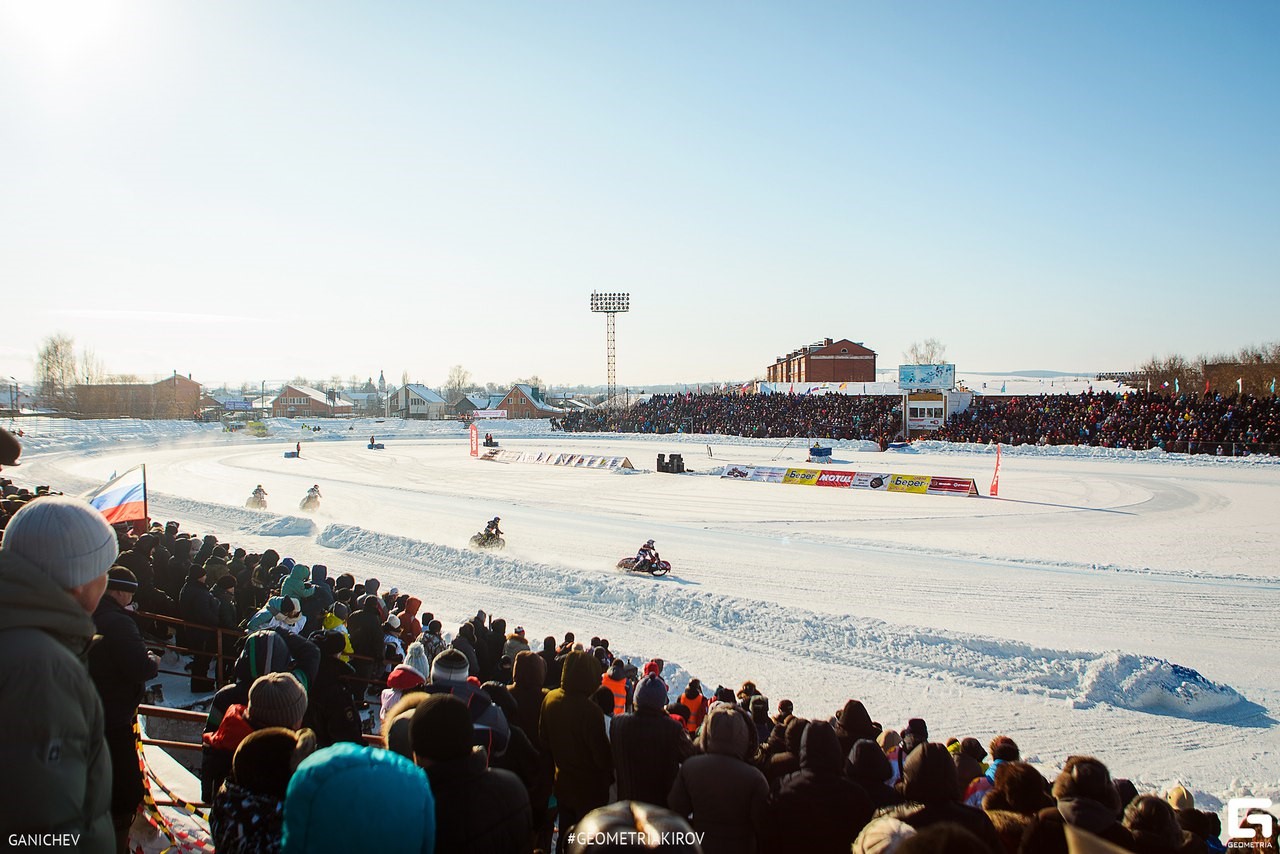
<point x="277" y="699"/>
<point x="651" y="693"/>
<point x="64" y="538"/>
<point x="441" y="728"/>
<point x="450" y="666"/>
<point x="120" y="578"/>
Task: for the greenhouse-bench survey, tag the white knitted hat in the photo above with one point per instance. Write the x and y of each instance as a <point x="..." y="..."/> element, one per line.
<point x="63" y="537"/>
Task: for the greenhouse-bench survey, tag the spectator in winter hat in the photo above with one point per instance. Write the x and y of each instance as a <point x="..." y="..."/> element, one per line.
<point x="648" y="746"/>
<point x="449" y="675"/>
<point x="331" y="709"/>
<point x="867" y="766"/>
<point x="515" y="643"/>
<point x="395" y="730"/>
<point x="248" y="811"/>
<point x="403" y="679"/>
<point x="882" y="836"/>
<point x="54" y="558"/>
<point x="277" y="699"/>
<point x="120" y="666"/>
<point x="854" y="723"/>
<point x="390" y="796"/>
<point x="931" y="794"/>
<point x="1019" y="788"/>
<point x="1154" y="825"/>
<point x="727" y="797"/>
<point x="477" y="808"/>
<point x="572" y="729"/>
<point x="10" y="448"/>
<point x="817" y="809"/>
<point x="1086" y="799"/>
<point x="631" y="817"/>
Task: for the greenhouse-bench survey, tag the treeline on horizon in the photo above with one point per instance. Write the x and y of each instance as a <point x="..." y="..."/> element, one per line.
<point x="1252" y="369"/>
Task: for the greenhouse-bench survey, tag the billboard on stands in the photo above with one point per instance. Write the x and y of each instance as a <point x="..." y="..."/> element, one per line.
<point x="922" y="377"/>
<point x="909" y="483"/>
<point x="840" y="479"/>
<point x="952" y="486"/>
<point x="870" y="480"/>
<point x="802" y="477"/>
<point x="489" y="413"/>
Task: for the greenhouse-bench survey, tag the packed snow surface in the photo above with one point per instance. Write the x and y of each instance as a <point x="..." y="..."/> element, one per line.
<point x="1109" y="602"/>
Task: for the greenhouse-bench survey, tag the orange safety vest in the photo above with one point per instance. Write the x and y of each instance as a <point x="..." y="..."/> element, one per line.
<point x="619" y="689"/>
<point x="697" y="711"/>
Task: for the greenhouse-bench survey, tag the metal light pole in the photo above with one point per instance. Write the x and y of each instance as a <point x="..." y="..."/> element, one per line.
<point x="610" y="305"/>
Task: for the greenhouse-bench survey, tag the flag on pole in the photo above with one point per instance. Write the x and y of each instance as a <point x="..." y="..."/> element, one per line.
<point x="1002" y="387"/>
<point x="1240" y="385"/>
<point x="995" y="476"/>
<point x="1273" y="385"/>
<point x="123" y="498"/>
<point x="1206" y="385"/>
<point x="1176" y="388"/>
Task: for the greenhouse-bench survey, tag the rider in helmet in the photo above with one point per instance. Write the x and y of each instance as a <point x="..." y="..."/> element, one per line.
<point x="491" y="530"/>
<point x="259" y="492"/>
<point x="314" y="490"/>
<point x="647" y="556"/>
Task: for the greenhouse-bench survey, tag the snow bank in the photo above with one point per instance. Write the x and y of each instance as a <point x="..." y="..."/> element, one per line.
<point x="283" y="526"/>
<point x="1082" y="679"/>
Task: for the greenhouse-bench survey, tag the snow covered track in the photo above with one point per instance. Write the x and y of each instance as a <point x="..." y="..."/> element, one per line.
<point x="1118" y="605"/>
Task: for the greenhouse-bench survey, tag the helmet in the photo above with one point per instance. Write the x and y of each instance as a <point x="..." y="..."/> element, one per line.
<point x="495" y="519"/>
<point x="259" y="486"/>
<point x="316" y="487"/>
<point x="649" y="543"/>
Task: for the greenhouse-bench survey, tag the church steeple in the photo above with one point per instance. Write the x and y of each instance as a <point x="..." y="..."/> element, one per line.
<point x="382" y="383"/>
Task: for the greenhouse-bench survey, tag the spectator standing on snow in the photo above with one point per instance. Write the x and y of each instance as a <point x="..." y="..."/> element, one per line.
<point x="54" y="559"/>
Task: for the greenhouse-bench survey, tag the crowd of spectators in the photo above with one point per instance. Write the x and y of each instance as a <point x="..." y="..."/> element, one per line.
<point x="487" y="742"/>
<point x="816" y="416"/>
<point x="1225" y="425"/>
<point x="1234" y="425"/>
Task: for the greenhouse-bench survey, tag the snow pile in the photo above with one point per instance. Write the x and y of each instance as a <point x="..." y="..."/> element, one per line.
<point x="1153" y="685"/>
<point x="283" y="526"/>
<point x="889" y="650"/>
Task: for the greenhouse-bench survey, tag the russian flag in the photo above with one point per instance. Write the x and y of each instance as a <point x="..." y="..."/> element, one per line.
<point x="123" y="498"/>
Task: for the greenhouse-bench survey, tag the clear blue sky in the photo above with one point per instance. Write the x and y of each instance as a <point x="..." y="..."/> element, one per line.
<point x="249" y="190"/>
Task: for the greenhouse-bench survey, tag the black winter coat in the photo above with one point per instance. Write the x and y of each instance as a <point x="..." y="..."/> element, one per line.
<point x="816" y="809"/>
<point x="198" y="606"/>
<point x="479" y="809"/>
<point x="648" y="747"/>
<point x="331" y="710"/>
<point x="119" y="664"/>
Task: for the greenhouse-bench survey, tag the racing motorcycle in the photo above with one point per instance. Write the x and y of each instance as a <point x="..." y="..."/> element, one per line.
<point x="309" y="502"/>
<point x="654" y="568"/>
<point x="484" y="540"/>
<point x="256" y="502"/>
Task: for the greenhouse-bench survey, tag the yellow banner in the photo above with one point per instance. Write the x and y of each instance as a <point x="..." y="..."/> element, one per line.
<point x="803" y="477"/>
<point x="908" y="483"/>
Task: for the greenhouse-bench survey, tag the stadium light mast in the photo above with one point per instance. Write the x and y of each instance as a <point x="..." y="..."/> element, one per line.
<point x="610" y="305"/>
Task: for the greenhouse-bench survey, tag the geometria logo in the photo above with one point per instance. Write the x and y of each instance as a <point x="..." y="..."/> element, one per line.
<point x="1244" y="824"/>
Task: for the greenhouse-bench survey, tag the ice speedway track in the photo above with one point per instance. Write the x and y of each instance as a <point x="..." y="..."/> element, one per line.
<point x="1112" y="603"/>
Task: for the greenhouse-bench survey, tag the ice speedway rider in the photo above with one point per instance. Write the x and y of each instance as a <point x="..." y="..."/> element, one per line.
<point x="260" y="493"/>
<point x="491" y="530"/>
<point x="314" y="491"/>
<point x="647" y="556"/>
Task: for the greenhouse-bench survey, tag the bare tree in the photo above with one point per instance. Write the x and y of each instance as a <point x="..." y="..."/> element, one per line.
<point x="457" y="384"/>
<point x="930" y="352"/>
<point x="532" y="380"/>
<point x="56" y="370"/>
<point x="91" y="367"/>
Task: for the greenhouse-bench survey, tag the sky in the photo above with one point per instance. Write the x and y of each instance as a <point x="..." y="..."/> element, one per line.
<point x="250" y="192"/>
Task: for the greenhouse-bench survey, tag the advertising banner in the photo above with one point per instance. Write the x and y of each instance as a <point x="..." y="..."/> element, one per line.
<point x="870" y="480"/>
<point x="920" y="377"/>
<point x="909" y="483"/>
<point x="840" y="479"/>
<point x="768" y="474"/>
<point x="489" y="413"/>
<point x="475" y="441"/>
<point x="952" y="486"/>
<point x="802" y="477"/>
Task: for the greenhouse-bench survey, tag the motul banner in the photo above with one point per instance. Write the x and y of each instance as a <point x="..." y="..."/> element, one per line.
<point x="839" y="479"/>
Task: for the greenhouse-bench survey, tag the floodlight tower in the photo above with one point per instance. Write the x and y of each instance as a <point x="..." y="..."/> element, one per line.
<point x="609" y="305"/>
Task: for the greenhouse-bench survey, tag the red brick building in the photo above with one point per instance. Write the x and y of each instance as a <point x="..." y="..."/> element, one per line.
<point x="303" y="401"/>
<point x="826" y="362"/>
<point x="171" y="397"/>
<point x="525" y="401"/>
